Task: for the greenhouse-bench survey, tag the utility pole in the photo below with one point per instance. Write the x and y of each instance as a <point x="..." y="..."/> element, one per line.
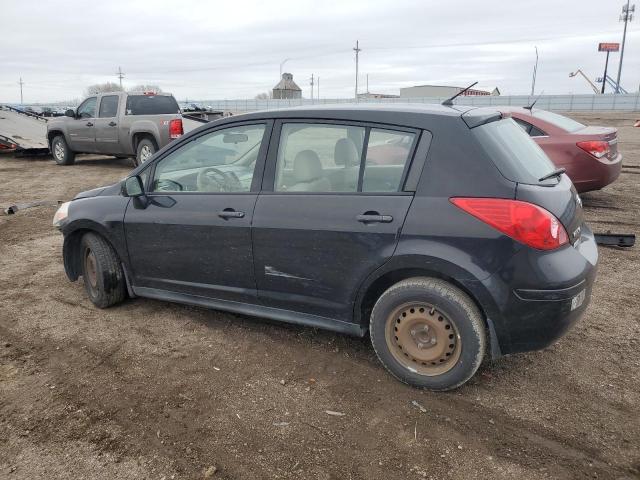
<point x="357" y="50"/>
<point x="21" y="83"/>
<point x="535" y="72"/>
<point x="311" y="88"/>
<point x="318" y="89"/>
<point x="626" y="17"/>
<point x="367" y="83"/>
<point x="120" y="76"/>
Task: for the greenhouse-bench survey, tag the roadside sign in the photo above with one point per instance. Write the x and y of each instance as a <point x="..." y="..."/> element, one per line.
<point x="608" y="47"/>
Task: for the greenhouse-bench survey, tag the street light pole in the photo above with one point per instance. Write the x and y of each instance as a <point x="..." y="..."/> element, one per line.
<point x="282" y="65"/>
<point x="357" y="50"/>
<point x="535" y="72"/>
<point x="626" y="17"/>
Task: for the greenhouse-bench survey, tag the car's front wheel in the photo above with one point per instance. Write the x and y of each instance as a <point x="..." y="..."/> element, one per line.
<point x="428" y="333"/>
<point x="101" y="271"/>
<point x="62" y="154"/>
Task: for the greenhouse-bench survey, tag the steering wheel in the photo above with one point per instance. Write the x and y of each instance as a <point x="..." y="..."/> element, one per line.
<point x="212" y="179"/>
<point x="166" y="185"/>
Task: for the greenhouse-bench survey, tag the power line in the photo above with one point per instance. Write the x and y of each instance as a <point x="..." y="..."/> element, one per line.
<point x="357" y="50"/>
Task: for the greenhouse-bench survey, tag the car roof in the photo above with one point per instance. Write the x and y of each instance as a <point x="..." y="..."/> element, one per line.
<point x="401" y="114"/>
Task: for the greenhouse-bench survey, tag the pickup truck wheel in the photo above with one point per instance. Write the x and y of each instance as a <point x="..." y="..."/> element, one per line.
<point x="428" y="333"/>
<point x="101" y="271"/>
<point x="146" y="149"/>
<point x="62" y="154"/>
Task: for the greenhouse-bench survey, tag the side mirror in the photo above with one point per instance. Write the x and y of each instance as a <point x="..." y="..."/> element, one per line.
<point x="132" y="187"/>
<point x="70" y="113"/>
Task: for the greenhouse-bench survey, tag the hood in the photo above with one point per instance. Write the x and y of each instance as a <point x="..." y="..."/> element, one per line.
<point x="90" y="193"/>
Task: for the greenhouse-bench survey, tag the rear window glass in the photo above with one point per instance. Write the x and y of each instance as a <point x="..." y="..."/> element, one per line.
<point x="151" y="105"/>
<point x="559" y="121"/>
<point x="516" y="155"/>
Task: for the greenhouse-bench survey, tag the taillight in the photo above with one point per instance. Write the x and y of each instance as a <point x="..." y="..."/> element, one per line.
<point x="175" y="128"/>
<point x="525" y="222"/>
<point x="597" y="148"/>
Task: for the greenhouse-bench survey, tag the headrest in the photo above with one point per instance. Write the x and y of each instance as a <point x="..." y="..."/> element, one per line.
<point x="346" y="153"/>
<point x="307" y="166"/>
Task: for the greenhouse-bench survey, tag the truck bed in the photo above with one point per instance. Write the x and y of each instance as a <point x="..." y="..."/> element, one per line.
<point x="29" y="134"/>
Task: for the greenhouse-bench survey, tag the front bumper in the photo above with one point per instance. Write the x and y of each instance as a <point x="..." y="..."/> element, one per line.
<point x="539" y="295"/>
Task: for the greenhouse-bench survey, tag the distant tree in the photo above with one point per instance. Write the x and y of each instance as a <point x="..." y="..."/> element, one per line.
<point x="263" y="96"/>
<point x="145" y="88"/>
<point x="102" y="88"/>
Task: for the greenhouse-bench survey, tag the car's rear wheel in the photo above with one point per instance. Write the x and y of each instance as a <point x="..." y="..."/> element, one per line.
<point x="428" y="333"/>
<point x="102" y="272"/>
<point x="146" y="149"/>
<point x="62" y="154"/>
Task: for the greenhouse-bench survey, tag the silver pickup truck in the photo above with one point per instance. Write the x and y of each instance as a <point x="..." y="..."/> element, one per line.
<point x="122" y="124"/>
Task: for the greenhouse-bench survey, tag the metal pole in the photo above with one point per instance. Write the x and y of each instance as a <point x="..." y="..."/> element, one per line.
<point x="604" y="78"/>
<point x="318" y="89"/>
<point x="626" y="17"/>
<point x="357" y="50"/>
<point x="21" y="83"/>
<point x="535" y="71"/>
<point x="312" y="88"/>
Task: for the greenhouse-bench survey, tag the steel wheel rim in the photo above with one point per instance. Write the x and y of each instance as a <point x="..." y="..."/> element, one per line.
<point x="145" y="153"/>
<point x="58" y="151"/>
<point x="423" y="339"/>
<point x="91" y="269"/>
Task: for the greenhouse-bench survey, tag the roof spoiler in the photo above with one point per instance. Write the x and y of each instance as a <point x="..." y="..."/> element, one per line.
<point x="481" y="116"/>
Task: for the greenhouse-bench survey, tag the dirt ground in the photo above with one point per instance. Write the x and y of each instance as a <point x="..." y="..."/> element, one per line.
<point x="154" y="390"/>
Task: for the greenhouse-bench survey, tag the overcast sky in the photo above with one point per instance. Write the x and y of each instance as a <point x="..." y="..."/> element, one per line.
<point x="233" y="49"/>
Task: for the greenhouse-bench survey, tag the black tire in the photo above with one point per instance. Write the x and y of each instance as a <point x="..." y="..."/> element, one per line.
<point x="461" y="316"/>
<point x="61" y="152"/>
<point x="145" y="146"/>
<point x="101" y="271"/>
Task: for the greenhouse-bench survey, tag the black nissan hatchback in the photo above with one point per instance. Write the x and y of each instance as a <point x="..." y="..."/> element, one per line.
<point x="444" y="232"/>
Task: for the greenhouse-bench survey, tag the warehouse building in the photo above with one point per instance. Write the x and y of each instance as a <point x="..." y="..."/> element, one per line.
<point x="443" y="91"/>
<point x="286" y="88"/>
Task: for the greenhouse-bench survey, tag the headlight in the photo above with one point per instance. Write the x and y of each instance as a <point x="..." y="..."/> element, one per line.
<point x="61" y="214"/>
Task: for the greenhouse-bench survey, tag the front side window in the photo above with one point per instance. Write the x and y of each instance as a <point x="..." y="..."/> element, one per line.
<point x="87" y="109"/>
<point x="220" y="161"/>
<point x="326" y="158"/>
<point x="108" y="106"/>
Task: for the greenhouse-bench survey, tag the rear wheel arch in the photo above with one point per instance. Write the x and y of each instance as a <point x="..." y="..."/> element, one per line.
<point x="137" y="137"/>
<point x="403" y="269"/>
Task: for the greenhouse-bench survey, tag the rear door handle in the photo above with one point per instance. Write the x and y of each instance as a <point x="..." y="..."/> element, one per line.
<point x="374" y="218"/>
<point x="112" y="124"/>
<point x="89" y="124"/>
<point x="230" y="214"/>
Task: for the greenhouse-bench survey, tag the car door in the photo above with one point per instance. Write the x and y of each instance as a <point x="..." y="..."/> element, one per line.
<point x="328" y="215"/>
<point x="82" y="133"/>
<point x="106" y="125"/>
<point x="193" y="234"/>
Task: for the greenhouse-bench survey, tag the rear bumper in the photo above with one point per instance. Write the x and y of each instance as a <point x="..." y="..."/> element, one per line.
<point x="598" y="174"/>
<point x="538" y="296"/>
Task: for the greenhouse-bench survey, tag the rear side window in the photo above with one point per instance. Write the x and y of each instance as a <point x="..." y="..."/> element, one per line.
<point x="327" y="158"/>
<point x="516" y="155"/>
<point x="108" y="106"/>
<point x="559" y="121"/>
<point x="151" y="105"/>
<point x="530" y="129"/>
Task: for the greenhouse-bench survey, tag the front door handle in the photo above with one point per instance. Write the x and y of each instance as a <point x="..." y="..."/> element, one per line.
<point x="112" y="124"/>
<point x="89" y="124"/>
<point x="229" y="213"/>
<point x="374" y="218"/>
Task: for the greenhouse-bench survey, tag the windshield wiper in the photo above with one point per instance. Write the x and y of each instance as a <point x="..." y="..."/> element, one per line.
<point x="555" y="173"/>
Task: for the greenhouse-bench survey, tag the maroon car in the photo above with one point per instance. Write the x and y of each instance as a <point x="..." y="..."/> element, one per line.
<point x="589" y="154"/>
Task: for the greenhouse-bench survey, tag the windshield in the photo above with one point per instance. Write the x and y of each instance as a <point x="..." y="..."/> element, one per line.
<point x="517" y="157"/>
<point x="559" y="121"/>
<point x="151" y="105"/>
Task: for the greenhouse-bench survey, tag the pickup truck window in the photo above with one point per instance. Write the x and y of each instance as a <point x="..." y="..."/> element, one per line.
<point x="87" y="109"/>
<point x="108" y="106"/>
<point x="151" y="105"/>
